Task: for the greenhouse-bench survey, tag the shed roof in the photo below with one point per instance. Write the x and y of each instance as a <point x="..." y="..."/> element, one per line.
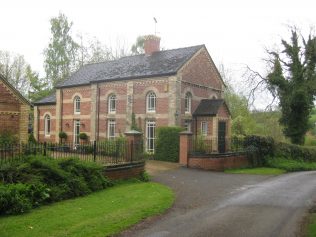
<point x="209" y="107"/>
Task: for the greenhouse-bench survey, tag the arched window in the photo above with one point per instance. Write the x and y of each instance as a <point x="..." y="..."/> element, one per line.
<point x="151" y="102"/>
<point x="47" y="125"/>
<point x="187" y="102"/>
<point x="112" y="103"/>
<point x="77" y="105"/>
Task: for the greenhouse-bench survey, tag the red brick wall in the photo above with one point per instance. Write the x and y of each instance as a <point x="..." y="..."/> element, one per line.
<point x="223" y="112"/>
<point x="124" y="172"/>
<point x="219" y="164"/>
<point x="8" y="103"/>
<point x="200" y="70"/>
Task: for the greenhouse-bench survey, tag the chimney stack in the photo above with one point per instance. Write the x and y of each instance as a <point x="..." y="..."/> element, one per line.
<point x="151" y="44"/>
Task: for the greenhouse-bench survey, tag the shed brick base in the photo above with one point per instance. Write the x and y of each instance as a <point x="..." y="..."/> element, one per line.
<point x="218" y="163"/>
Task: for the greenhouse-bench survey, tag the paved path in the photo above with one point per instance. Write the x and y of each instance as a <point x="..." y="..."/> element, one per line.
<point x="218" y="204"/>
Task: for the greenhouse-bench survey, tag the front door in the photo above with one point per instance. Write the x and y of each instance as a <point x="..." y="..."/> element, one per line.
<point x="221" y="137"/>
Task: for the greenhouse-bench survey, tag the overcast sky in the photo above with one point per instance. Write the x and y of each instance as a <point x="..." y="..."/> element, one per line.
<point x="234" y="32"/>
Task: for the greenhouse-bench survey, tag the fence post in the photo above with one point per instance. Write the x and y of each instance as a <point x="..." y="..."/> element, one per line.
<point x="45" y="146"/>
<point x="94" y="150"/>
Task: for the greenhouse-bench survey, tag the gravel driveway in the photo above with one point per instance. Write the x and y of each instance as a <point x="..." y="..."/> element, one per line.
<point x="218" y="204"/>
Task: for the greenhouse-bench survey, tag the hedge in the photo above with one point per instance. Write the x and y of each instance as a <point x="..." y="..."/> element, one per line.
<point x="260" y="148"/>
<point x="167" y="144"/>
<point x="39" y="180"/>
<point x="296" y="152"/>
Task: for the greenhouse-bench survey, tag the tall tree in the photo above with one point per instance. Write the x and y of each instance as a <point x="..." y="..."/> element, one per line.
<point x="39" y="87"/>
<point x="292" y="79"/>
<point x="138" y="47"/>
<point x="61" y="51"/>
<point x="13" y="67"/>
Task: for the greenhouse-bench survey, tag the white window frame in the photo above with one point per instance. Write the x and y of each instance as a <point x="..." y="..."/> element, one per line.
<point x="47" y="125"/>
<point x="204" y="128"/>
<point x="111" y="128"/>
<point x="77" y="104"/>
<point x="150" y="136"/>
<point x="187" y="102"/>
<point x="111" y="102"/>
<point x="151" y="100"/>
<point x="76" y="135"/>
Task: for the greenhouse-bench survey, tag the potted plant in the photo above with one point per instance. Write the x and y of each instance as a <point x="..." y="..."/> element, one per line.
<point x="63" y="136"/>
<point x="83" y="136"/>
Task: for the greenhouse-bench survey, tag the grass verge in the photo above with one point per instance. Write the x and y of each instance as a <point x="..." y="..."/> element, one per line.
<point x="259" y="171"/>
<point x="102" y="213"/>
<point x="290" y="165"/>
<point x="310" y="230"/>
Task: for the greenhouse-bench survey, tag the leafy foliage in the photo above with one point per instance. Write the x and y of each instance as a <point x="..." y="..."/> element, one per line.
<point x="167" y="144"/>
<point x="7" y="137"/>
<point x="61" y="51"/>
<point x="293" y="81"/>
<point x="39" y="180"/>
<point x="138" y="47"/>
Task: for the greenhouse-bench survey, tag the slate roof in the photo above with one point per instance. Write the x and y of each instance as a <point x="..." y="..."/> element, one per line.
<point x="208" y="107"/>
<point x="49" y="100"/>
<point x="161" y="63"/>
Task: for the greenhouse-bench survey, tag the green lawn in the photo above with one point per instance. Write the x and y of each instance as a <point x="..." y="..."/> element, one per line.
<point x="100" y="214"/>
<point x="311" y="226"/>
<point x="260" y="170"/>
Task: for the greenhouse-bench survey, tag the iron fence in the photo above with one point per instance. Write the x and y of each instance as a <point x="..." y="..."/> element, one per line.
<point x="204" y="146"/>
<point x="107" y="152"/>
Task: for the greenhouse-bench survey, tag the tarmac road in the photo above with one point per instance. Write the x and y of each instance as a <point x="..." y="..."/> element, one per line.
<point x="218" y="204"/>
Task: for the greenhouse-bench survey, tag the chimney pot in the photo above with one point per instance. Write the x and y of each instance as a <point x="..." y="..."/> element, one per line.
<point x="151" y="44"/>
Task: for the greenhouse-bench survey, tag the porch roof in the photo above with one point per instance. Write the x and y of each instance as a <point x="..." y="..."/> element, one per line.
<point x="208" y="107"/>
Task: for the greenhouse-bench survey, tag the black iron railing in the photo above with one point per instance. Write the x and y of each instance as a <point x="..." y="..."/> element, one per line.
<point x="204" y="146"/>
<point x="107" y="152"/>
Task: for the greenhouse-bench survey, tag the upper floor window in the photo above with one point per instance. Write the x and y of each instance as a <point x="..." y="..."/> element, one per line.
<point x="151" y="102"/>
<point x="47" y="125"/>
<point x="77" y="105"/>
<point x="112" y="104"/>
<point x="187" y="102"/>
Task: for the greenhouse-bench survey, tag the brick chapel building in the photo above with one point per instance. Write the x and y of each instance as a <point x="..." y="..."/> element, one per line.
<point x="178" y="87"/>
<point x="14" y="111"/>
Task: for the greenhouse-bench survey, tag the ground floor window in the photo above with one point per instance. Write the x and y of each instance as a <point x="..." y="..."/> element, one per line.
<point x="76" y="132"/>
<point x="204" y="128"/>
<point x="111" y="129"/>
<point x="150" y="136"/>
<point x="47" y="125"/>
<point x="187" y="126"/>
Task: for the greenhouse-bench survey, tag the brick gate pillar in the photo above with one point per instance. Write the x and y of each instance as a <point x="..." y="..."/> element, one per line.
<point x="185" y="138"/>
<point x="134" y="138"/>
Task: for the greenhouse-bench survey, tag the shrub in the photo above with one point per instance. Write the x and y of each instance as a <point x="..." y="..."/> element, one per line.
<point x="47" y="180"/>
<point x="18" y="198"/>
<point x="167" y="144"/>
<point x="7" y="137"/>
<point x="295" y="152"/>
<point x="258" y="148"/>
<point x="144" y="176"/>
